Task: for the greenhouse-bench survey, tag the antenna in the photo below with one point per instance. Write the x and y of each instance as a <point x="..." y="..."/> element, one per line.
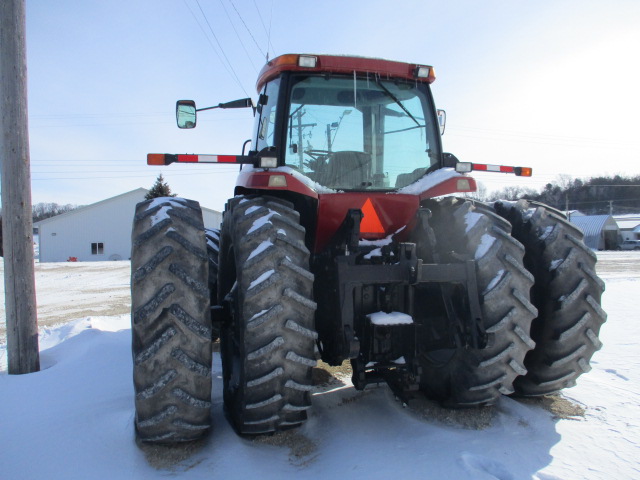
<point x="269" y="34"/>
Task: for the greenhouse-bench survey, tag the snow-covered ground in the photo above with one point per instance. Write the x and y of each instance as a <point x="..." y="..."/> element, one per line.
<point x="74" y="418"/>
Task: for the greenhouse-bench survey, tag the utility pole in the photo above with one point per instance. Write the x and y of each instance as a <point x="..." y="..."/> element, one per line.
<point x="17" y="225"/>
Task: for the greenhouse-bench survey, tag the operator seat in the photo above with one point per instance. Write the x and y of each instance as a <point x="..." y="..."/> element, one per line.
<point x="347" y="169"/>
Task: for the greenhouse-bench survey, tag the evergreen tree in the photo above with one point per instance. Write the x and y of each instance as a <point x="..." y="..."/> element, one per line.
<point x="159" y="189"/>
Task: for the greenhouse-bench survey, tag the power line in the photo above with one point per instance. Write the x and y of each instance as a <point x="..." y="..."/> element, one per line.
<point x="248" y="30"/>
<point x="542" y="135"/>
<point x="221" y="49"/>
<point x="219" y="170"/>
<point x="94" y="115"/>
<point x="238" y="35"/>
<point x="604" y="201"/>
<point x="556" y="143"/>
<point x="228" y="68"/>
<point x="268" y="32"/>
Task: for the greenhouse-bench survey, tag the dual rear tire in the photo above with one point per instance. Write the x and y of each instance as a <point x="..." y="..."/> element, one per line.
<point x="567" y="293"/>
<point x="267" y="343"/>
<point x="540" y="337"/>
<point x="540" y="296"/>
<point x="466" y="376"/>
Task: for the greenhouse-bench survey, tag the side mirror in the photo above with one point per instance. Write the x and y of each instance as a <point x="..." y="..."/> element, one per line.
<point x="186" y="113"/>
<point x="442" y="120"/>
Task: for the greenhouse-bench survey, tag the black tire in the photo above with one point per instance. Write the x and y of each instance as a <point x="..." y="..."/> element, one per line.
<point x="267" y="347"/>
<point x="475" y="377"/>
<point x="213" y="252"/>
<point x="567" y="293"/>
<point x="170" y="321"/>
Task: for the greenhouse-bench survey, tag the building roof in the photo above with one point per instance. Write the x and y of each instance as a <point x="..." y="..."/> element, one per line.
<point x="628" y="224"/>
<point x="574" y="213"/>
<point x="137" y="191"/>
<point x="593" y="224"/>
<point x="628" y="221"/>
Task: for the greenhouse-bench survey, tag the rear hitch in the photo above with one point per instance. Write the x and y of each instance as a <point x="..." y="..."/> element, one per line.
<point x="403" y="379"/>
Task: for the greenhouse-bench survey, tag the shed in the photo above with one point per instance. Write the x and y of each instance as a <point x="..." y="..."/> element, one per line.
<point x="629" y="226"/>
<point x="600" y="231"/>
<point x="97" y="232"/>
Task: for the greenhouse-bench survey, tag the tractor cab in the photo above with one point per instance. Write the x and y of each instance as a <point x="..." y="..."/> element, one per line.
<point x="348" y="129"/>
<point x="356" y="130"/>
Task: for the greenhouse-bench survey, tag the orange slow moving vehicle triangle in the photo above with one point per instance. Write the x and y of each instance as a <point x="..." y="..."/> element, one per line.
<point x="371" y="222"/>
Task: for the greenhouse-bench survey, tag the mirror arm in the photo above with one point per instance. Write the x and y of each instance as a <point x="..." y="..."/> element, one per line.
<point x="207" y="108"/>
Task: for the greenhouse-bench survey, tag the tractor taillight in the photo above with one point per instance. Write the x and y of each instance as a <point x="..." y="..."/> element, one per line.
<point x="277" y="181"/>
<point x="463" y="185"/>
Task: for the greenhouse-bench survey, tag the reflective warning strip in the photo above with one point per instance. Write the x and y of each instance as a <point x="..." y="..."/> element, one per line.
<point x="492" y="168"/>
<point x="207" y="158"/>
<point x="167" y="159"/>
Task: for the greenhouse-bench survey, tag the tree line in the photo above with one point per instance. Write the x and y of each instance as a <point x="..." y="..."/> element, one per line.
<point x="41" y="211"/>
<point x="595" y="196"/>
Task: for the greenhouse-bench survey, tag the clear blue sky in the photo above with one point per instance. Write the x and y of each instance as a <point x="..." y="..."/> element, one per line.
<point x="546" y="84"/>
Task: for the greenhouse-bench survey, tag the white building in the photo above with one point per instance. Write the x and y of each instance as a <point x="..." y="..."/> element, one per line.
<point x="97" y="232"/>
<point x="629" y="226"/>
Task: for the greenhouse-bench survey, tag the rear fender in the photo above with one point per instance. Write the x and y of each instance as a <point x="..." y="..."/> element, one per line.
<point x="385" y="213"/>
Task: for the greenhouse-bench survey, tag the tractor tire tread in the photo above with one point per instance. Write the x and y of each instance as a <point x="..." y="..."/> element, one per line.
<point x="567" y="293"/>
<point x="477" y="377"/>
<point x="171" y="328"/>
<point x="274" y="321"/>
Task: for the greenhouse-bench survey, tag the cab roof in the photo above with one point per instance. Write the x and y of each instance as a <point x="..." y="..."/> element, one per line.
<point x="344" y="65"/>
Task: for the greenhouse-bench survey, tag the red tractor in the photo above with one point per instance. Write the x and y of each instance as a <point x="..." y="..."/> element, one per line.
<point x="345" y="241"/>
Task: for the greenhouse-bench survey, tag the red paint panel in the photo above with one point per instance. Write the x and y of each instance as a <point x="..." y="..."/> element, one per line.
<point x="188" y="158"/>
<point x="394" y="212"/>
<point x="226" y="159"/>
<point x="448" y="187"/>
<point x="257" y="179"/>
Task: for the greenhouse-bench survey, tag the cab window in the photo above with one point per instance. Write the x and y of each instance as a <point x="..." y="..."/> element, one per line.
<point x="362" y="134"/>
<point x="264" y="127"/>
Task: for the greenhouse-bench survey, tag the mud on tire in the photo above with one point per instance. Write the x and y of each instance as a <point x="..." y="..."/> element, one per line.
<point x="170" y="321"/>
<point x="567" y="293"/>
<point x="466" y="376"/>
<point x="267" y="346"/>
